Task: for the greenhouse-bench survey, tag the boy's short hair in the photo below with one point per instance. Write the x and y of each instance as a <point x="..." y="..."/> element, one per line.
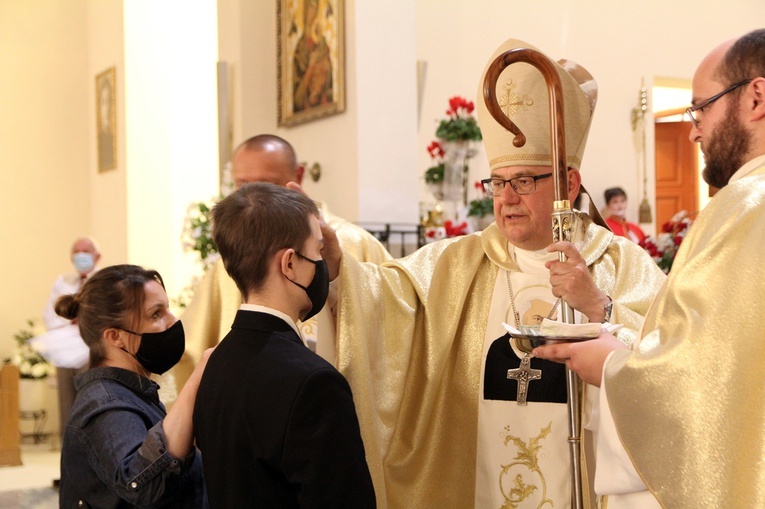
<point x="253" y="223"/>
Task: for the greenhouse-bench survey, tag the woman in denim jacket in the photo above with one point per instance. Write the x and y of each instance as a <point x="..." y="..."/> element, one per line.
<point x="121" y="448"/>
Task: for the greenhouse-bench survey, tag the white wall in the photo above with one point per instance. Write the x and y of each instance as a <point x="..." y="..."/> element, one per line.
<point x="171" y="132"/>
<point x="44" y="151"/>
<point x="386" y="108"/>
<point x="108" y="189"/>
<point x="368" y="153"/>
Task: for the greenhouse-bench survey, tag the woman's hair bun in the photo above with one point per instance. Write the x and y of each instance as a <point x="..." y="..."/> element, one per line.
<point x="68" y="306"/>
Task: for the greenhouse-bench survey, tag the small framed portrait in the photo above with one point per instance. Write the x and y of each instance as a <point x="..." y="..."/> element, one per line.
<point x="106" y="119"/>
<point x="311" y="45"/>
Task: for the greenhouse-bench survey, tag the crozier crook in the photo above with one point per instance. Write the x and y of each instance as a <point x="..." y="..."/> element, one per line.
<point x="562" y="217"/>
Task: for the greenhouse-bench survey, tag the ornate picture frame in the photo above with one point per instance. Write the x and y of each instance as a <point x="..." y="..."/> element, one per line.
<point x="311" y="63"/>
<point x="106" y="119"/>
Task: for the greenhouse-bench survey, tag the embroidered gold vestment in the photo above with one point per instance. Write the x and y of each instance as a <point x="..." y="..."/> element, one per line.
<point x="689" y="403"/>
<point x="410" y="336"/>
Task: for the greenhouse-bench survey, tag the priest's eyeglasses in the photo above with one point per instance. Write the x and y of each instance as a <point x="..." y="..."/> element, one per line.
<point x="691" y="112"/>
<point x="526" y="184"/>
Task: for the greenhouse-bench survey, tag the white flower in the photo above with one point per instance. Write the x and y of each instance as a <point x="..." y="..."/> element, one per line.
<point x="211" y="259"/>
<point x="38" y="328"/>
<point x="29" y="362"/>
<point x="434" y="233"/>
<point x="39" y="370"/>
<point x="680" y="216"/>
<point x="25" y="367"/>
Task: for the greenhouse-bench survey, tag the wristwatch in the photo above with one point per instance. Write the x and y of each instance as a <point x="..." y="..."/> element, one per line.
<point x="607" y="309"/>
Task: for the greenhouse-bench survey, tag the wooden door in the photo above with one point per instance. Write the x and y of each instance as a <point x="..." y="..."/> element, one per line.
<point x="676" y="171"/>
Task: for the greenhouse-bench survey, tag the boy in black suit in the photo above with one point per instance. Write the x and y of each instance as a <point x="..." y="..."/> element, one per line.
<point x="276" y="424"/>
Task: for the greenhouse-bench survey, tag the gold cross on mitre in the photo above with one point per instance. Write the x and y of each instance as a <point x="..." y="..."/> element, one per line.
<point x="511" y="103"/>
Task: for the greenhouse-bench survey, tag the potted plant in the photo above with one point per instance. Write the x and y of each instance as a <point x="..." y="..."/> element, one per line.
<point x="33" y="370"/>
<point x="197" y="232"/>
<point x="460" y="124"/>
<point x="447" y="178"/>
<point x="434" y="176"/>
<point x="32" y="366"/>
<point x="197" y="238"/>
<point x="664" y="246"/>
<point x="481" y="209"/>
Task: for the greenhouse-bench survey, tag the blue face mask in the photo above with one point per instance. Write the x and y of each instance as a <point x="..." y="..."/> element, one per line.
<point x="83" y="262"/>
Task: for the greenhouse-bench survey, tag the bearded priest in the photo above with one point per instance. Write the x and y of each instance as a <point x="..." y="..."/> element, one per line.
<point x="690" y="390"/>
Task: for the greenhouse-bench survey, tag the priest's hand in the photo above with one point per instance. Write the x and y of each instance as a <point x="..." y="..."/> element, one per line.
<point x="331" y="251"/>
<point x="571" y="280"/>
<point x="585" y="358"/>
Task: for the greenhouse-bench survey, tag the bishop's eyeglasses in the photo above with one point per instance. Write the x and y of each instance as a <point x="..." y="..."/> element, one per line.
<point x="691" y="112"/>
<point x="525" y="184"/>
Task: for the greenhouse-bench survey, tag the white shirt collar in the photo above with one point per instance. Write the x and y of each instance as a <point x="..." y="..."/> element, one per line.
<point x="533" y="262"/>
<point x="748" y="168"/>
<point x="276" y="313"/>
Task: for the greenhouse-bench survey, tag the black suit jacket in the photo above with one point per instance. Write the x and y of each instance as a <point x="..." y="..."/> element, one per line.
<point x="276" y="423"/>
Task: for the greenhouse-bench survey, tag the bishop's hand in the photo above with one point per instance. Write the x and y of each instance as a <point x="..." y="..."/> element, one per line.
<point x="571" y="280"/>
<point x="331" y="252"/>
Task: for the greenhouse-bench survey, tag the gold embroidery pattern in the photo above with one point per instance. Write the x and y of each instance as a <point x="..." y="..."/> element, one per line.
<point x="532" y="157"/>
<point x="510" y="102"/>
<point x="309" y="328"/>
<point x="525" y="459"/>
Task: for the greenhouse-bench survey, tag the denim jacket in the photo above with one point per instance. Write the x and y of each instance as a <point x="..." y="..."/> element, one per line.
<point x="113" y="453"/>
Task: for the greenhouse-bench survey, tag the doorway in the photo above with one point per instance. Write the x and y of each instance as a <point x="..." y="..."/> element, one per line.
<point x="676" y="171"/>
<point x="678" y="162"/>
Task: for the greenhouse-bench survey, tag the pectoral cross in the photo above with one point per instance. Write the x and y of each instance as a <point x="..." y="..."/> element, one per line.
<point x="523" y="375"/>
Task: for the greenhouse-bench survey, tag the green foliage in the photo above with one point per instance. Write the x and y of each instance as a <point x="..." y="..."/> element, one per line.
<point x="481" y="207"/>
<point x="30" y="363"/>
<point x="459" y="128"/>
<point x="460" y="124"/>
<point x="435" y="174"/>
<point x="197" y="234"/>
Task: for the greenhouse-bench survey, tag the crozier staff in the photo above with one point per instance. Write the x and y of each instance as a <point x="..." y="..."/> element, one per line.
<point x="421" y="340"/>
<point x="698" y="365"/>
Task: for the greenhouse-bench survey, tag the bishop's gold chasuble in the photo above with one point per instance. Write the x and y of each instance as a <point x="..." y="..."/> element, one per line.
<point x="412" y="341"/>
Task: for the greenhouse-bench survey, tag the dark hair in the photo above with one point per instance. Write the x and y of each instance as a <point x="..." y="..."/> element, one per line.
<point x="262" y="141"/>
<point x="612" y="193"/>
<point x="744" y="60"/>
<point x="112" y="297"/>
<point x="253" y="223"/>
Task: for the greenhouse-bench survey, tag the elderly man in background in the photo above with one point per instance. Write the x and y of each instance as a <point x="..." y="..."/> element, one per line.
<point x="62" y="346"/>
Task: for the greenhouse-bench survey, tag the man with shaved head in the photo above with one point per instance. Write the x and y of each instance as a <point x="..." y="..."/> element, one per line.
<point x="208" y="318"/>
